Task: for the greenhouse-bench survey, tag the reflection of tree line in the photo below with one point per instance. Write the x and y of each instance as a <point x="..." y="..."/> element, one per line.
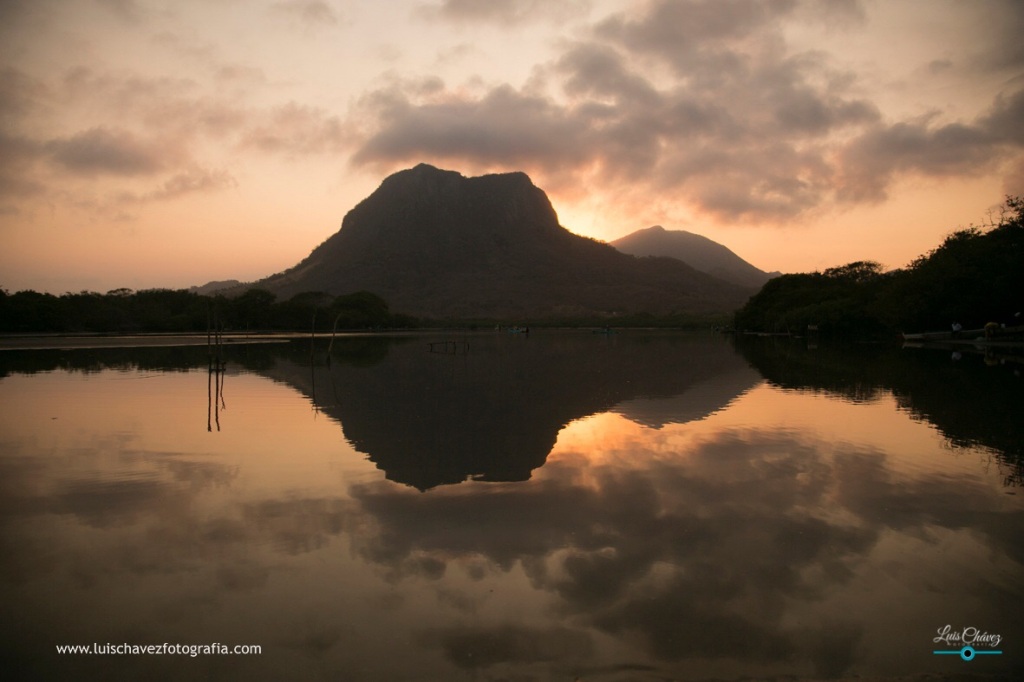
<point x="429" y="419"/>
<point x="973" y="400"/>
<point x="360" y="350"/>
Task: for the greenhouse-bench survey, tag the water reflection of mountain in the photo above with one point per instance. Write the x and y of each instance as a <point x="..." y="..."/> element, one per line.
<point x="973" y="400"/>
<point x="491" y="408"/>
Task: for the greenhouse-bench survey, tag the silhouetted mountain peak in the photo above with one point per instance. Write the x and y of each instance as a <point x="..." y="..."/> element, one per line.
<point x="433" y="242"/>
<point x="695" y="250"/>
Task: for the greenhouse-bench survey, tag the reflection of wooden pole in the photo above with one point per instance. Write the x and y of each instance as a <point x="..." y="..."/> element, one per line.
<point x="447" y="347"/>
<point x="220" y="396"/>
<point x="216" y="375"/>
<point x="214" y="369"/>
<point x="209" y="393"/>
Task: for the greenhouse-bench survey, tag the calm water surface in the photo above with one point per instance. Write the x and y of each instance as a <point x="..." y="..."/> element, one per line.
<point x="555" y="506"/>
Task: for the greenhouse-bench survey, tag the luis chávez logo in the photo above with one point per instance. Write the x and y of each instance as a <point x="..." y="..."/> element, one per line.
<point x="970" y="642"/>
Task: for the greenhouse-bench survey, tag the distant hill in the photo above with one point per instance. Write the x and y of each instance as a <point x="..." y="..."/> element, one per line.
<point x="436" y="244"/>
<point x="211" y="288"/>
<point x="695" y="250"/>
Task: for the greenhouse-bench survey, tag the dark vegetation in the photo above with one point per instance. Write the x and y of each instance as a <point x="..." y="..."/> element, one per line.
<point x="165" y="310"/>
<point x="974" y="277"/>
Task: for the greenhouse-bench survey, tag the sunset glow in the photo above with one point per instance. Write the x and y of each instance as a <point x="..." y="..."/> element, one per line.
<point x="151" y="144"/>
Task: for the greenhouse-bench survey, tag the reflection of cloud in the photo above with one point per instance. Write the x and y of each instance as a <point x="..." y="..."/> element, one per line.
<point x="296" y="526"/>
<point x="695" y="557"/>
<point x="103" y="503"/>
<point x="476" y="647"/>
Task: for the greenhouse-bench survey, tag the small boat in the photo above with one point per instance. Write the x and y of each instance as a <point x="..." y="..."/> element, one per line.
<point x="966" y="334"/>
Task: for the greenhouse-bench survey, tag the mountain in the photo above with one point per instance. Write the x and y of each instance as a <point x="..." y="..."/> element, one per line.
<point x="695" y="250"/>
<point x="436" y="244"/>
<point x="211" y="288"/>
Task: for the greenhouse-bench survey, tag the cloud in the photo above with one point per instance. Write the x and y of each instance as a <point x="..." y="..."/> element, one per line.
<point x="504" y="12"/>
<point x="128" y="10"/>
<point x="106" y="150"/>
<point x="756" y="147"/>
<point x="309" y="12"/>
<point x="503" y="127"/>
<point x="998" y="41"/>
<point x="193" y="179"/>
<point x="21" y="95"/>
<point x="703" y="102"/>
<point x="16" y="179"/>
<point x="293" y="130"/>
<point x="869" y="163"/>
<point x="175" y="121"/>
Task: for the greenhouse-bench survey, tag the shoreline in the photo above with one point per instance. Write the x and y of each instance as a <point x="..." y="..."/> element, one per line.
<point x="142" y="340"/>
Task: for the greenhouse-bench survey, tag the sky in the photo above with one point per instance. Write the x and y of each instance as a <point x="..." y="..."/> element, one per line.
<point x="148" y="144"/>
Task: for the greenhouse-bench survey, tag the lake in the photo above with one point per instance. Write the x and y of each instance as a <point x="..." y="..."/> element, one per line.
<point x="496" y="506"/>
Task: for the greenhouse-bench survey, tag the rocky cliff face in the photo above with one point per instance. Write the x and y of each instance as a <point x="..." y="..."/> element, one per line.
<point x="434" y="243"/>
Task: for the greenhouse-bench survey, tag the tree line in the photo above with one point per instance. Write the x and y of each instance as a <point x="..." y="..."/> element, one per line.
<point x="169" y="310"/>
<point x="976" y="276"/>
